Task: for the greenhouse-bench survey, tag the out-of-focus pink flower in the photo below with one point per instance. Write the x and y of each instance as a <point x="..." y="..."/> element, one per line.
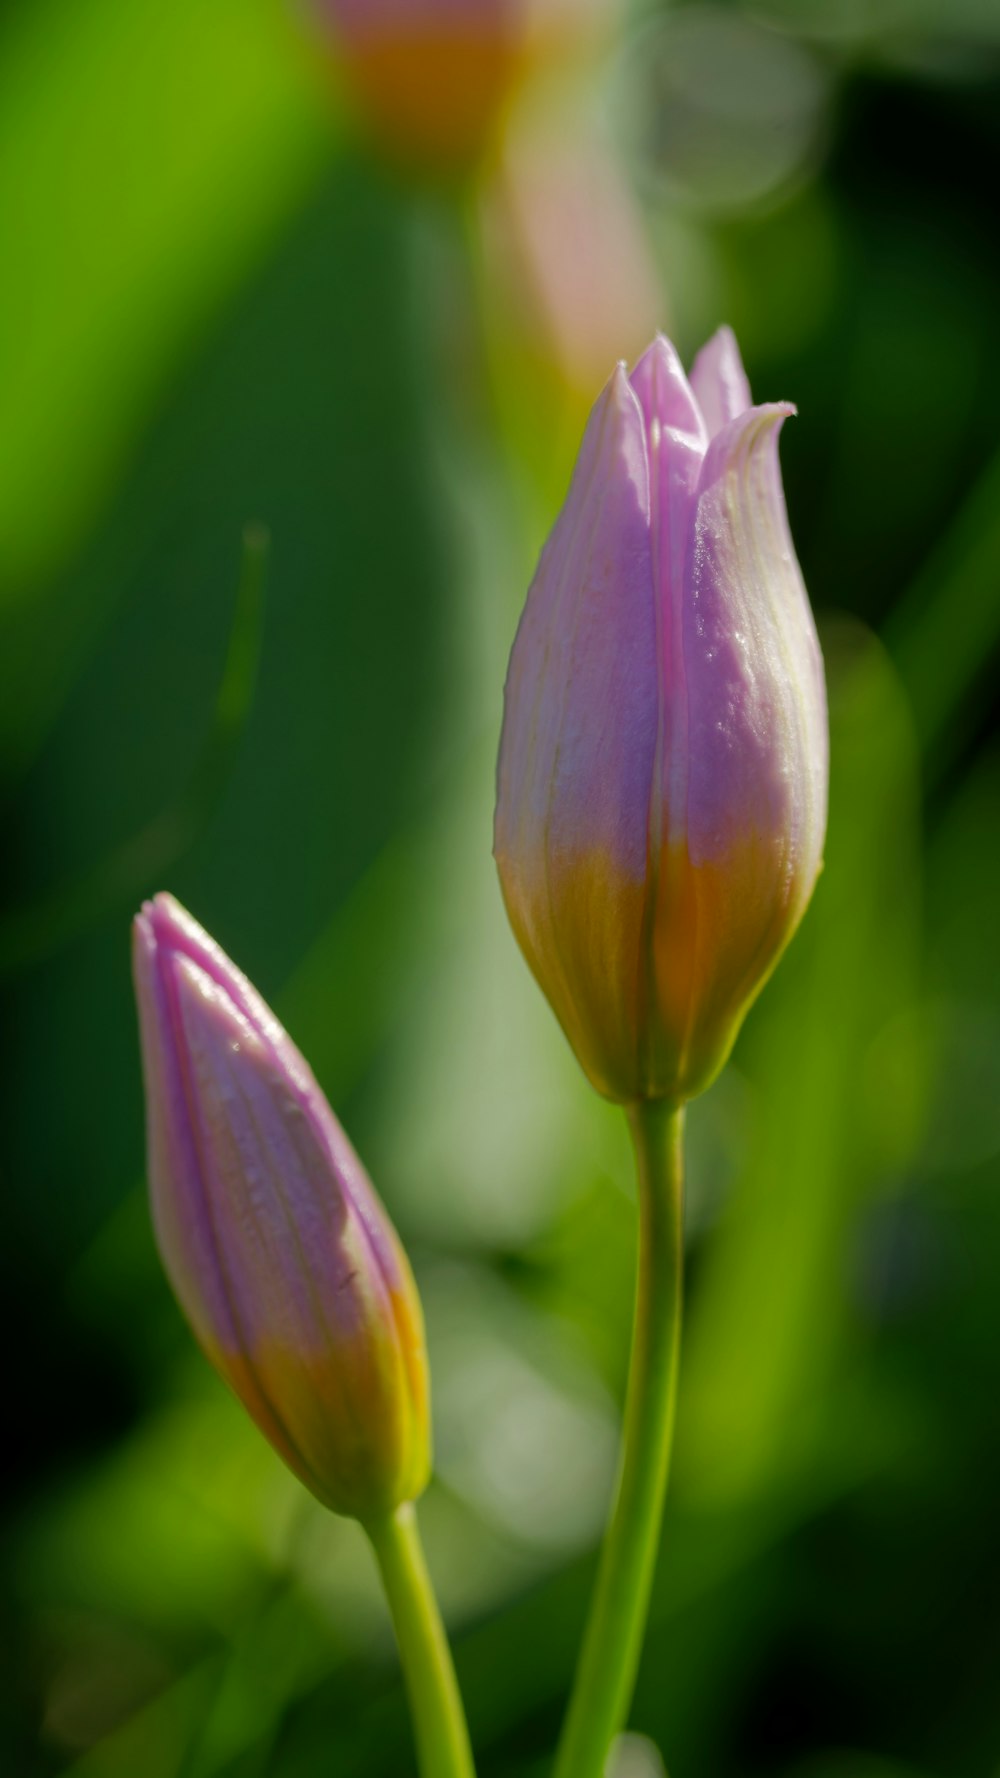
<point x="569" y="243"/>
<point x="280" y="1253"/>
<point x="435" y="77"/>
<point x="662" y="777"/>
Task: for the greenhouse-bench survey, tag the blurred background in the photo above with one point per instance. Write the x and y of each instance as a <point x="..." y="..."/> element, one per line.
<point x="260" y="283"/>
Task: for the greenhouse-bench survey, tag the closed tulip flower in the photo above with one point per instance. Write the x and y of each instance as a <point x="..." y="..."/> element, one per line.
<point x="662" y="777"/>
<point x="279" y="1251"/>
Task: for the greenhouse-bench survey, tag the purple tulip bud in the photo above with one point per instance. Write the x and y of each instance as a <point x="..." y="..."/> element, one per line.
<point x="277" y="1247"/>
<point x="662" y="777"/>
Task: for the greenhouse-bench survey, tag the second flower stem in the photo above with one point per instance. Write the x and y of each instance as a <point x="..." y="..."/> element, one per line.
<point x="609" y="1659"/>
<point x="439" y="1728"/>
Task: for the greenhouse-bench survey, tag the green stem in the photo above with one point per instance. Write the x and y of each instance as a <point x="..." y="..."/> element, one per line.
<point x="439" y="1728"/>
<point x="610" y="1656"/>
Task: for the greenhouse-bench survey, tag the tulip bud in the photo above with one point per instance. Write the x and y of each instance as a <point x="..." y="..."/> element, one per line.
<point x="435" y="77"/>
<point x="662" y="778"/>
<point x="277" y="1247"/>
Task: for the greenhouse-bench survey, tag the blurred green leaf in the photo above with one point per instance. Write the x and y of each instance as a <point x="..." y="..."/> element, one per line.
<point x="155" y="1740"/>
<point x="854" y="1765"/>
<point x="774" y="1315"/>
<point x="147" y="163"/>
<point x="944" y="633"/>
<point x="121" y="879"/>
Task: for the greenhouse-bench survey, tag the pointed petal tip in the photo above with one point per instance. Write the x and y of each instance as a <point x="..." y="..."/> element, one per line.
<point x="722" y="337"/>
<point x="720" y="381"/>
<point x="167" y="937"/>
<point x="615" y="419"/>
<point x="721" y="351"/>
<point x="165" y="920"/>
<point x="661" y="351"/>
<point x="773" y="414"/>
<point x="763" y="415"/>
<point x="661" y="387"/>
<point x="766" y="415"/>
<point x="143" y="951"/>
<point x="159" y="928"/>
<point x="619" y="395"/>
<point x="746" y="429"/>
<point x="744" y="441"/>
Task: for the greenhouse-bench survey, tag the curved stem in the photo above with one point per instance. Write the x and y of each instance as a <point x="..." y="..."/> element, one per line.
<point x="439" y="1727"/>
<point x="609" y="1659"/>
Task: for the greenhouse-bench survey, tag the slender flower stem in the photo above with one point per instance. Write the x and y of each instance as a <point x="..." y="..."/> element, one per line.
<point x="610" y="1656"/>
<point x="439" y="1727"/>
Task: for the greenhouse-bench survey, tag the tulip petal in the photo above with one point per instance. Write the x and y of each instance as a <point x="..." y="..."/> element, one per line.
<point x="183" y="1229"/>
<point x="757" y="737"/>
<point x="676" y="442"/>
<point x="579" y="735"/>
<point x="664" y="393"/>
<point x="719" y="381"/>
<point x="291" y="1248"/>
<point x="758" y="718"/>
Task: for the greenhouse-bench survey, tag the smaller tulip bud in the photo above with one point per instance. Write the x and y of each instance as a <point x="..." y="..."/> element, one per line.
<point x="662" y="781"/>
<point x="276" y="1245"/>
